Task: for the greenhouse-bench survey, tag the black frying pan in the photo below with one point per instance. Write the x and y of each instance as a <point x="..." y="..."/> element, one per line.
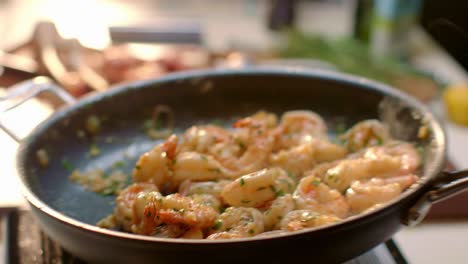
<point x="68" y="213"/>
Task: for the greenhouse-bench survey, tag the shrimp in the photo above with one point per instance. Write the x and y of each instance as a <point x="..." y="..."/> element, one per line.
<point x="123" y="212"/>
<point x="295" y="160"/>
<point x="297" y="127"/>
<point x="325" y="151"/>
<point x="303" y="157"/>
<point x="194" y="166"/>
<point x="178" y="209"/>
<point x="270" y="119"/>
<point x="202" y="138"/>
<point x="311" y="193"/>
<point x="278" y="209"/>
<point x="145" y="220"/>
<point x="153" y="210"/>
<point x="257" y="188"/>
<point x="208" y="200"/>
<point x="406" y="152"/>
<point x="214" y="188"/>
<point x="362" y="195"/>
<point x="258" y="145"/>
<point x="155" y="165"/>
<point x="238" y="222"/>
<point x="302" y="219"/>
<point x="365" y="134"/>
<point x="346" y="171"/>
<point x="170" y="231"/>
<point x="193" y="233"/>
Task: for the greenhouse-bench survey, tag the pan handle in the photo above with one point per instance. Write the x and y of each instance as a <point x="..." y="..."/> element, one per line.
<point x="447" y="185"/>
<point x="26" y="90"/>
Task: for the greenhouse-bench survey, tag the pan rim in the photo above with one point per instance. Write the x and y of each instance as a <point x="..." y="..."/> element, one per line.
<point x="359" y="82"/>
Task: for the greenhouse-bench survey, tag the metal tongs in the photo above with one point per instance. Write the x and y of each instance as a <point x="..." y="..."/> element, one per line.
<point x="50" y="45"/>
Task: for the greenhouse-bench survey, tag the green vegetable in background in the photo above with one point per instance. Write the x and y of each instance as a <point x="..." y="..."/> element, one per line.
<point x="351" y="56"/>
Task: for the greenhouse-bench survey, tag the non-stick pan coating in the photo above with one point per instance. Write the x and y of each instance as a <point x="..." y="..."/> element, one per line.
<point x="197" y="99"/>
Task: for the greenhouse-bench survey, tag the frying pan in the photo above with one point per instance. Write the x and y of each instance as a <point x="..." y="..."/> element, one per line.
<point x="68" y="213"/>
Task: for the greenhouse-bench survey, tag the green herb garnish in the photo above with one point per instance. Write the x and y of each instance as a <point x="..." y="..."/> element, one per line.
<point x="315" y="182"/>
<point x="217" y="225"/>
<point x="216" y="170"/>
<point x="242" y="182"/>
<point x="67" y="165"/>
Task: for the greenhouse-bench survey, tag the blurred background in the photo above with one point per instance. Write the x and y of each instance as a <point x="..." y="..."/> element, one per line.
<point x="417" y="46"/>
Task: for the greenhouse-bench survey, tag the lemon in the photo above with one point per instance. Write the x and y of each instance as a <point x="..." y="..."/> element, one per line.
<point x="456" y="103"/>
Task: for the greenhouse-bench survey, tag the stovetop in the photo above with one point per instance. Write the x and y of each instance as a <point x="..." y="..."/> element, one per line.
<point x="26" y="243"/>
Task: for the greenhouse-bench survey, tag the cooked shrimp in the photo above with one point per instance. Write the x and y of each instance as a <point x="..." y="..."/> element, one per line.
<point x="155" y="165"/>
<point x="311" y="193"/>
<point x="170" y="231"/>
<point x="365" y="134"/>
<point x="296" y="127"/>
<point x="278" y="209"/>
<point x="214" y="188"/>
<point x="145" y="207"/>
<point x="178" y="209"/>
<point x="124" y="214"/>
<point x="302" y="219"/>
<point x="406" y="152"/>
<point x="346" y="171"/>
<point x="303" y="157"/>
<point x="365" y="194"/>
<point x="325" y="151"/>
<point x="270" y="119"/>
<point x="295" y="160"/>
<point x="152" y="209"/>
<point x="208" y="200"/>
<point x="257" y="188"/>
<point x="193" y="233"/>
<point x="194" y="166"/>
<point x="237" y="222"/>
<point x="258" y="145"/>
<point x="202" y="138"/>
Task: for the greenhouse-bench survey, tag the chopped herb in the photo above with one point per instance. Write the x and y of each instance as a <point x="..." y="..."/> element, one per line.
<point x="251" y="231"/>
<point x="148" y="214"/>
<point x="67" y="165"/>
<point x="203" y="157"/>
<point x="148" y="124"/>
<point x="332" y="177"/>
<point x="291" y="175"/>
<point x="279" y="193"/>
<point x="379" y="141"/>
<point x="261" y="188"/>
<point x="272" y="188"/>
<point x="222" y="209"/>
<point x="241" y="144"/>
<point x="217" y="122"/>
<point x="242" y="182"/>
<point x="217" y="225"/>
<point x="315" y="182"/>
<point x="216" y="170"/>
<point x="128" y="218"/>
<point x="340" y="128"/>
<point x="137" y="167"/>
<point x="118" y="164"/>
<point x="112" y="189"/>
<point x="279" y="217"/>
<point x="245" y="201"/>
<point x="174" y="161"/>
<point x="420" y="150"/>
